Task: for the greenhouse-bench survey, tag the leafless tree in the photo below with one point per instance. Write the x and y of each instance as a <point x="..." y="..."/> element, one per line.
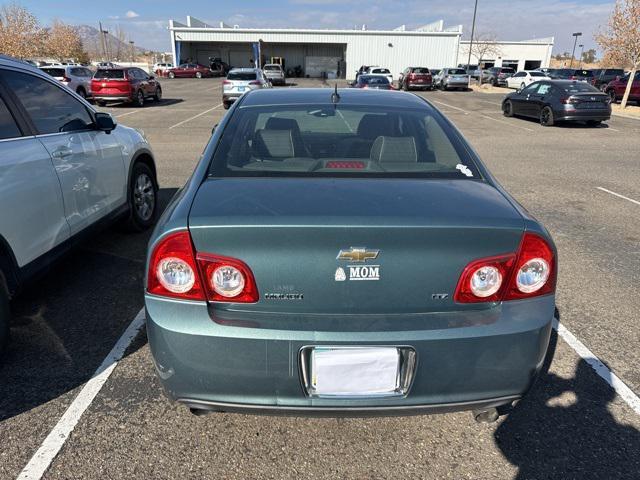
<point x="484" y="46"/>
<point x="621" y="39"/>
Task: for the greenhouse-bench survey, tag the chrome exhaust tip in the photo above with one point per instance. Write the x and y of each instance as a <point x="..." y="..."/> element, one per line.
<point x="488" y="415"/>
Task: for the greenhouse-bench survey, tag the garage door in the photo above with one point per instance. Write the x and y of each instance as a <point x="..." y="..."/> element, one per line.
<point x="202" y="57"/>
<point x="316" y="66"/>
<point x="240" y="58"/>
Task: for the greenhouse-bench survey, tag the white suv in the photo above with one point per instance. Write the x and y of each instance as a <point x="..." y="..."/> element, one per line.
<point x="75" y="78"/>
<point x="241" y="80"/>
<point x="65" y="168"/>
<point x="385" y="72"/>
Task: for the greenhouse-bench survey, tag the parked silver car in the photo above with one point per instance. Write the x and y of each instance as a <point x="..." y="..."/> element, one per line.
<point x="451" y="78"/>
<point x="65" y="168"/>
<point x="75" y="78"/>
<point x="274" y="74"/>
<point x="241" y="80"/>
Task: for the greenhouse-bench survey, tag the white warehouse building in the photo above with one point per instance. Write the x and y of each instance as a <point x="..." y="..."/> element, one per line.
<point x="336" y="53"/>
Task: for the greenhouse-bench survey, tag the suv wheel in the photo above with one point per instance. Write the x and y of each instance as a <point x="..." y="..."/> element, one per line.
<point x="138" y="101"/>
<point x="5" y="315"/>
<point x="143" y="198"/>
<point x="81" y="91"/>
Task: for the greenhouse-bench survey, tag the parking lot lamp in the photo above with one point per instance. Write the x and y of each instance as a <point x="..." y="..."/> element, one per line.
<point x="575" y="42"/>
<point x="473" y="31"/>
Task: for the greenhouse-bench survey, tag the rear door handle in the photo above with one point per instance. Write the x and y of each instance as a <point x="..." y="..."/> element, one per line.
<point x="62" y="153"/>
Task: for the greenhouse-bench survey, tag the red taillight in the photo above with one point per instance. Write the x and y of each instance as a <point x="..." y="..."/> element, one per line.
<point x="226" y="82"/>
<point x="179" y="279"/>
<point x="175" y="271"/>
<point x="210" y="265"/>
<point x="412" y="76"/>
<point x="529" y="272"/>
<point x="65" y="80"/>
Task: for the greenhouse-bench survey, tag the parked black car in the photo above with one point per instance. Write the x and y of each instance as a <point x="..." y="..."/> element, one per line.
<point x="415" y="77"/>
<point x="377" y="82"/>
<point x="497" y="76"/>
<point x="603" y="76"/>
<point x="552" y="101"/>
<point x="572" y="74"/>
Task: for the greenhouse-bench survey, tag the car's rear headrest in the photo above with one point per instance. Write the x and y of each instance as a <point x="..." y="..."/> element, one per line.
<point x="277" y="123"/>
<point x="273" y="144"/>
<point x="394" y="149"/>
<point x="372" y="126"/>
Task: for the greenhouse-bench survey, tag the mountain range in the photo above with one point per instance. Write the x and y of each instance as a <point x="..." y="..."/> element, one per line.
<point x="117" y="43"/>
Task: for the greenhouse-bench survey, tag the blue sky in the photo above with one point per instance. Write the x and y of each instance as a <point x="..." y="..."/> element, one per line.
<point x="146" y="20"/>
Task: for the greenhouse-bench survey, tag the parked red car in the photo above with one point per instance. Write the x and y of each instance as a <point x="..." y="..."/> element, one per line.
<point x="132" y="85"/>
<point x="617" y="87"/>
<point x="191" y="70"/>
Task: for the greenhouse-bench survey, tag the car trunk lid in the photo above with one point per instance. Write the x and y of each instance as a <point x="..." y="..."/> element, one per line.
<point x="420" y="234"/>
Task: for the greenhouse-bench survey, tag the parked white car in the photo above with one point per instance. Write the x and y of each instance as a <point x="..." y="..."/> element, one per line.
<point x="524" y="77"/>
<point x="385" y="72"/>
<point x="65" y="168"/>
<point x="162" y="67"/>
<point x="77" y="79"/>
<point x="241" y="80"/>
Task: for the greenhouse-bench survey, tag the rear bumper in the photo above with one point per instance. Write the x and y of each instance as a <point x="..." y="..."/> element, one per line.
<point x="231" y="361"/>
<point x="419" y="84"/>
<point x="112" y="98"/>
<point x="576" y="115"/>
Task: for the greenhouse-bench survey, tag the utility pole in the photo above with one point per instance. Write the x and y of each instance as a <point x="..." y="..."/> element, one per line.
<point x="575" y="42"/>
<point x="102" y="42"/>
<point x="581" y="55"/>
<point x="473" y="32"/>
<point x="132" y="51"/>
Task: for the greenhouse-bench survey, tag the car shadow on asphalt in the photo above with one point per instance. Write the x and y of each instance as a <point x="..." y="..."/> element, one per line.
<point x="564" y="429"/>
<point x="66" y="323"/>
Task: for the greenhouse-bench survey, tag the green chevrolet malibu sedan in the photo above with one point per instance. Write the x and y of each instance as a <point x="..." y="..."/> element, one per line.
<point x="346" y="253"/>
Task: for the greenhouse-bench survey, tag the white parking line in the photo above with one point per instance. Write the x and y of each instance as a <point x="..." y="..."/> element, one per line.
<point x="47" y="452"/>
<point x="194" y="117"/>
<point x="128" y="113"/>
<point x="451" y="106"/>
<point x="507" y="123"/>
<point x="600" y="368"/>
<point x="618" y="195"/>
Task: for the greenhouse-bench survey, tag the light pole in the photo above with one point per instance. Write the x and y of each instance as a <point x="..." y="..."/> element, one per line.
<point x="473" y="32"/>
<point x="133" y="58"/>
<point x="575" y="42"/>
<point x="581" y="54"/>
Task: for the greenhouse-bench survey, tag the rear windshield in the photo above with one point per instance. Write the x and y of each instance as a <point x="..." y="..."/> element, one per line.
<point x="380" y="70"/>
<point x="109" y="73"/>
<point x="54" y="72"/>
<point x="421" y="70"/>
<point x="614" y="71"/>
<point x="373" y="80"/>
<point x="272" y="67"/>
<point x="241" y="76"/>
<point x="579" y="87"/>
<point x="584" y="73"/>
<point x="457" y="71"/>
<point x="341" y="140"/>
<point x="507" y="70"/>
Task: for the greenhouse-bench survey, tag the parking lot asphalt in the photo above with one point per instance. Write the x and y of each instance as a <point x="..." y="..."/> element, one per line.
<point x="580" y="182"/>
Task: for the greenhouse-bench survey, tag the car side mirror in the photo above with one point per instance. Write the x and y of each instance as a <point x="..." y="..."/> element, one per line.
<point x="105" y="122"/>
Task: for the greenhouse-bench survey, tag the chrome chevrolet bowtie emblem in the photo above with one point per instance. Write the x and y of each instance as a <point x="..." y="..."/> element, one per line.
<point x="358" y="254"/>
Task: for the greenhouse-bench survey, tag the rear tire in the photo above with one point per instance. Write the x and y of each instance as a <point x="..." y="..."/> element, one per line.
<point x="226" y="105"/>
<point x="405" y="86"/>
<point x="172" y="75"/>
<point x="507" y="109"/>
<point x="5" y="315"/>
<point x="546" y="117"/>
<point x="198" y="75"/>
<point x="158" y="95"/>
<point x="81" y="91"/>
<point x="138" y="101"/>
<point x="143" y="199"/>
<point x="594" y="123"/>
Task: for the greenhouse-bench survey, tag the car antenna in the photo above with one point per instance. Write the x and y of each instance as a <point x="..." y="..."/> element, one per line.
<point x="335" y="97"/>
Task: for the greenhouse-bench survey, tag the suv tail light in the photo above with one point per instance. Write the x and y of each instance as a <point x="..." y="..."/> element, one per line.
<point x="529" y="272"/>
<point x="176" y="271"/>
<point x="65" y="80"/>
<point x="226" y="82"/>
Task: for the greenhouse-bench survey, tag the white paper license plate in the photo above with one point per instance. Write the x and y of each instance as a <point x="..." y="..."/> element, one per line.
<point x="357" y="371"/>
